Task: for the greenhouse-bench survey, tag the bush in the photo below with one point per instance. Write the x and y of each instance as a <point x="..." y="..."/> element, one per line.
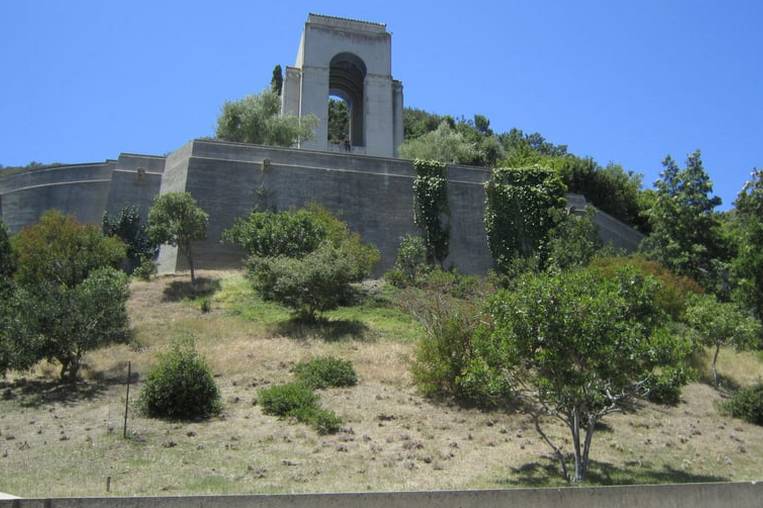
<point x="410" y="264"/>
<point x="272" y="234"/>
<point x="326" y="371"/>
<point x="298" y="401"/>
<point x="318" y="282"/>
<point x="146" y="269"/>
<point x="665" y="387"/>
<point x="128" y="227"/>
<point x="60" y="250"/>
<point x="747" y="404"/>
<point x="205" y="305"/>
<point x="674" y="291"/>
<point x="180" y="386"/>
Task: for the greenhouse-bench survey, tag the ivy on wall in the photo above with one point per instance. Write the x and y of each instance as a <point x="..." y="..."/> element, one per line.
<point x="430" y="211"/>
<point x="521" y="207"/>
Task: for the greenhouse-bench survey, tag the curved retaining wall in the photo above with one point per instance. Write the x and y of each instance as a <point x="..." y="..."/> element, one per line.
<point x="82" y="190"/>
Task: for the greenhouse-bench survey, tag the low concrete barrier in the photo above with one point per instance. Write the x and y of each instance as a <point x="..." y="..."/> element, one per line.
<point x="698" y="495"/>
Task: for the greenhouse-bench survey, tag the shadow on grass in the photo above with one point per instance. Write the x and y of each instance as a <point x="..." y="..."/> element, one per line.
<point x="36" y="393"/>
<point x="547" y="473"/>
<point x="183" y="290"/>
<point x="330" y="330"/>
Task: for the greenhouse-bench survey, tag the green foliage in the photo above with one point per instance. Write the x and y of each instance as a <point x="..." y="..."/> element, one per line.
<point x="326" y="371"/>
<point x="410" y="263"/>
<point x="205" y="305"/>
<point x="176" y="219"/>
<point x="417" y="122"/>
<point x="522" y="206"/>
<point x="273" y="234"/>
<point x="444" y="362"/>
<point x="7" y="257"/>
<point x="128" y="227"/>
<point x="256" y="119"/>
<point x="59" y="250"/>
<point x="298" y="401"/>
<point x="180" y="386"/>
<point x="578" y="347"/>
<point x="665" y="386"/>
<point x="674" y="290"/>
<point x="145" y="270"/>
<point x="339" y="121"/>
<point x="747" y="266"/>
<point x="317" y="282"/>
<point x="719" y="324"/>
<point x="276" y="82"/>
<point x="431" y="214"/>
<point x="62" y="323"/>
<point x="573" y="242"/>
<point x="686" y="233"/>
<point x="444" y="144"/>
<point x="747" y="404"/>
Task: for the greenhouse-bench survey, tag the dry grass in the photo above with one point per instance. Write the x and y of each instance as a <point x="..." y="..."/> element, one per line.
<point x="57" y="440"/>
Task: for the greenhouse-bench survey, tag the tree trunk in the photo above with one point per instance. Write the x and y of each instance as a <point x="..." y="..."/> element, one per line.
<point x="579" y="473"/>
<point x="715" y="361"/>
<point x="190" y="263"/>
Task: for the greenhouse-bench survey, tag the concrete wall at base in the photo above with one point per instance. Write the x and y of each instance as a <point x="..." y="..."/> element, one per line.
<point x="706" y="495"/>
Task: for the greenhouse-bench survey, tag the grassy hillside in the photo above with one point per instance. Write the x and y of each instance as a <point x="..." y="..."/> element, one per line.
<point x="62" y="440"/>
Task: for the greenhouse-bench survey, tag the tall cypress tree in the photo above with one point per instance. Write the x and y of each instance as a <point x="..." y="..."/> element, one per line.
<point x="276" y="82"/>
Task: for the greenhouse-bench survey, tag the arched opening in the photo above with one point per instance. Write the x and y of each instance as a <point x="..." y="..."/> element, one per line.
<point x="347" y="74"/>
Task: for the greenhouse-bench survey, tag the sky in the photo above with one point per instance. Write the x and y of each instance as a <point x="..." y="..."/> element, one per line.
<point x="621" y="81"/>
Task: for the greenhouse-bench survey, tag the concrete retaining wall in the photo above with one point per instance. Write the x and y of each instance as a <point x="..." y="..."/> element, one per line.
<point x="709" y="495"/>
<point x="373" y="194"/>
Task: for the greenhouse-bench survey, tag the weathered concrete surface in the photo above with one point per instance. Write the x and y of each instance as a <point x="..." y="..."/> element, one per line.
<point x="373" y="194"/>
<point x="708" y="495"/>
<point x="351" y="59"/>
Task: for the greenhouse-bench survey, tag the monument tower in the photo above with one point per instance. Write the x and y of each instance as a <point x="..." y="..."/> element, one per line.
<point x="352" y="60"/>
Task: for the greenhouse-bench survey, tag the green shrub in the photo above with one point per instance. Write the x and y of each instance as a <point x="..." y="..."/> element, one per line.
<point x="146" y="269"/>
<point x="180" y="386"/>
<point x="286" y="399"/>
<point x="450" y="282"/>
<point x="272" y="234"/>
<point x="317" y="282"/>
<point x="411" y="262"/>
<point x="297" y="400"/>
<point x="747" y="404"/>
<point x="60" y="250"/>
<point x="133" y="231"/>
<point x="665" y="387"/>
<point x="673" y="294"/>
<point x="326" y="371"/>
<point x="205" y="305"/>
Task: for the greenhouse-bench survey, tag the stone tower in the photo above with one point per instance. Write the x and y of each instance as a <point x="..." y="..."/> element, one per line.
<point x="352" y="60"/>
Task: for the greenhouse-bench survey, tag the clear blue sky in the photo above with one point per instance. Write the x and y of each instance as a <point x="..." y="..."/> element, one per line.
<point x="621" y="81"/>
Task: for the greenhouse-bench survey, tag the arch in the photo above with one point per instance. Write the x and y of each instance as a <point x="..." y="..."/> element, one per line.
<point x="347" y="74"/>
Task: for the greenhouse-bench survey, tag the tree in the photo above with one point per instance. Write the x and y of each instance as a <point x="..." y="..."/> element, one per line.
<point x="747" y="266"/>
<point x="444" y="144"/>
<point x="522" y="206"/>
<point x="685" y="230"/>
<point x="176" y="219"/>
<point x="256" y="119"/>
<point x="276" y="82"/>
<point x="59" y="250"/>
<point x="339" y="121"/>
<point x="62" y="323"/>
<point x="719" y="324"/>
<point x="578" y="347"/>
<point x="573" y="242"/>
<point x="7" y="260"/>
<point x="128" y="227"/>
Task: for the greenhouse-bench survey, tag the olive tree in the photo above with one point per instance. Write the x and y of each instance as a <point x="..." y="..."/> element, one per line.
<point x="719" y="324"/>
<point x="577" y="347"/>
<point x="176" y="219"/>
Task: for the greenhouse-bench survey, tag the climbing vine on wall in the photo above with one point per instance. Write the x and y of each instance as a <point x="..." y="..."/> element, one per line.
<point x="521" y="207"/>
<point x="430" y="191"/>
